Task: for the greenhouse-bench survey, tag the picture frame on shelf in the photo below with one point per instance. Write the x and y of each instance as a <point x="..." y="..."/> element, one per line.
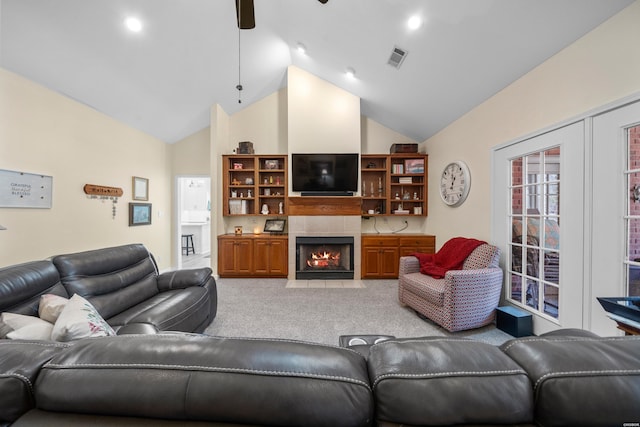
<point x="274" y="225"/>
<point x="140" y="188"/>
<point x="271" y="164"/>
<point x="414" y="165"/>
<point x="139" y="214"/>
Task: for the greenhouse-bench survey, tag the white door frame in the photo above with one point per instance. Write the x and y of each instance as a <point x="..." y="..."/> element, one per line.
<point x="608" y="193"/>
<point x="571" y="139"/>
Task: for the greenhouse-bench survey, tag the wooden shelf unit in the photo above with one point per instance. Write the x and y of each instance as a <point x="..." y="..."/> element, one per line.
<point x="394" y="181"/>
<point x="251" y="181"/>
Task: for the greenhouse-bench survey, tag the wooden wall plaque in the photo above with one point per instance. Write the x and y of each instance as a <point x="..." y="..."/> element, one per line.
<point x="101" y="190"/>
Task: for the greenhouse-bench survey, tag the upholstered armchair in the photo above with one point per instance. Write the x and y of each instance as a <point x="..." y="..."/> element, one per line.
<point x="463" y="299"/>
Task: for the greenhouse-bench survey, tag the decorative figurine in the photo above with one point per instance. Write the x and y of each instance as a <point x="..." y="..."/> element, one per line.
<point x="265" y="209"/>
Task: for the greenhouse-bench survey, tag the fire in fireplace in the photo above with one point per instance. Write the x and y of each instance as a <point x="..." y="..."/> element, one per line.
<point x="324" y="257"/>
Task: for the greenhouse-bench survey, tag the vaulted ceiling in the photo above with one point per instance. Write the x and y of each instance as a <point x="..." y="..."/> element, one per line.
<point x="164" y="79"/>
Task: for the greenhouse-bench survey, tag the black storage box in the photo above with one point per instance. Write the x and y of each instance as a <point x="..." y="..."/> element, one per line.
<point x="403" y="148"/>
<point x="515" y="322"/>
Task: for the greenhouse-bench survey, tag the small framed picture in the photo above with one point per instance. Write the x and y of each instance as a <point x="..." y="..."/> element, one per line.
<point x="140" y="188"/>
<point x="274" y="225"/>
<point x="237" y="165"/>
<point x="271" y="164"/>
<point x="414" y="166"/>
<point x="237" y="229"/>
<point x="139" y="214"/>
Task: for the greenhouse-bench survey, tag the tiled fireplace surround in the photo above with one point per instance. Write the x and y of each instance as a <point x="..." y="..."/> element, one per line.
<point x="324" y="226"/>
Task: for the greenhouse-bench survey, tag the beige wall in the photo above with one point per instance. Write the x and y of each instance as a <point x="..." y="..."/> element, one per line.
<point x="321" y="116"/>
<point x="599" y="68"/>
<point x="44" y="132"/>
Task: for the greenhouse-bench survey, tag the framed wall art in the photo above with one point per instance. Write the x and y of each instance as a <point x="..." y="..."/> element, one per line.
<point x="140" y="188"/>
<point x="139" y="214"/>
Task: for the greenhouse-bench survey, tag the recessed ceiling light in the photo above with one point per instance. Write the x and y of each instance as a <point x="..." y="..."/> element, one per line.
<point x="414" y="22"/>
<point x="133" y="24"/>
<point x="351" y="73"/>
<point x="302" y="48"/>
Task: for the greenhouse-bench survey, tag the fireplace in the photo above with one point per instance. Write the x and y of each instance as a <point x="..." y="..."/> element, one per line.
<point x="322" y="257"/>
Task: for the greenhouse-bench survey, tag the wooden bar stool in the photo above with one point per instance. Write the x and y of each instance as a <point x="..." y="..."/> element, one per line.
<point x="187" y="244"/>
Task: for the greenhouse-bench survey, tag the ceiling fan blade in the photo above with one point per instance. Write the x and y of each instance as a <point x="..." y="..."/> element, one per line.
<point x="245" y="15"/>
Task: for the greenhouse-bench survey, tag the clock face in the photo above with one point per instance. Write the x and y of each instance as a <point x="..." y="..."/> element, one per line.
<point x="455" y="183"/>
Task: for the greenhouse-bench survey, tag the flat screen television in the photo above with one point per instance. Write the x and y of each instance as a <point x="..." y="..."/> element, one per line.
<point x="324" y="173"/>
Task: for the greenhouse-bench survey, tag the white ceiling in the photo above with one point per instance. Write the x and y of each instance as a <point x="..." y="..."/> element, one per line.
<point x="164" y="80"/>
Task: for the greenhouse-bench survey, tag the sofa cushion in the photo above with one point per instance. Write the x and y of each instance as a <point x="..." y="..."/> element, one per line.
<point x="20" y="326"/>
<point x="51" y="306"/>
<point x="111" y="279"/>
<point x="195" y="377"/>
<point x="79" y="319"/>
<point x="581" y="380"/>
<point x="426" y="287"/>
<point x="176" y="310"/>
<point x="20" y="363"/>
<point x="447" y="381"/>
<point x="22" y="285"/>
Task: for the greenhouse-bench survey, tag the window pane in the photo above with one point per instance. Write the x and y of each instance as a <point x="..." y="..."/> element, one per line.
<point x="552" y="267"/>
<point x="551" y="234"/>
<point x="532" y="293"/>
<point x="516" y="258"/>
<point x="516" y="287"/>
<point x="516" y="200"/>
<point x="634" y="281"/>
<point x="552" y="193"/>
<point x="551" y="300"/>
<point x="633" y="230"/>
<point x="533" y="232"/>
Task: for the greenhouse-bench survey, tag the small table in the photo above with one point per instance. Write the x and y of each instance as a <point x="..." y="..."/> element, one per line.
<point x="628" y="326"/>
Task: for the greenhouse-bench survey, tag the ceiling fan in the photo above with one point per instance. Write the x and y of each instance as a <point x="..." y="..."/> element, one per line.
<point x="246" y="16"/>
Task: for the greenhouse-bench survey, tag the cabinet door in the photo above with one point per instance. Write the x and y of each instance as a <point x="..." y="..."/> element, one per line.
<point x="370" y="266"/>
<point x="279" y="259"/>
<point x="389" y="263"/>
<point x="235" y="257"/>
<point x="261" y="256"/>
<point x="270" y="257"/>
<point x="380" y="262"/>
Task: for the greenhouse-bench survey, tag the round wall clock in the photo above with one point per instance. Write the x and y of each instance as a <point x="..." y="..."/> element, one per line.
<point x="455" y="183"/>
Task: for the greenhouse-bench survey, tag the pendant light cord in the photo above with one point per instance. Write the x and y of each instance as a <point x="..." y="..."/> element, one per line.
<point x="239" y="86"/>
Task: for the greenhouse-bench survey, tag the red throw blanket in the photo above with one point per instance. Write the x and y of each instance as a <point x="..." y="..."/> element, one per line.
<point x="451" y="256"/>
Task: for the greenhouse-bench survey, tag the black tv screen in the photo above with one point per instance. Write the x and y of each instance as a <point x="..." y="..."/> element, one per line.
<point x="324" y="173"/>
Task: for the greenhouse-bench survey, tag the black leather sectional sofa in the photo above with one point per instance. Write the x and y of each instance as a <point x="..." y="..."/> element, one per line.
<point x="567" y="378"/>
<point x="188" y="379"/>
<point x="122" y="283"/>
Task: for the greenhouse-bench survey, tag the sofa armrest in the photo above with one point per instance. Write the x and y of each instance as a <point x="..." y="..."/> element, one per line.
<point x="408" y="264"/>
<point x="474" y="285"/>
<point x="181" y="279"/>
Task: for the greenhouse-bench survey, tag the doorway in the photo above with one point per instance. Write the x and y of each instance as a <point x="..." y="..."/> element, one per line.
<point x="193" y="221"/>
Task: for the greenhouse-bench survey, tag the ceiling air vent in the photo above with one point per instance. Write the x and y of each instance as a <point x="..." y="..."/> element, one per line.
<point x="397" y="57"/>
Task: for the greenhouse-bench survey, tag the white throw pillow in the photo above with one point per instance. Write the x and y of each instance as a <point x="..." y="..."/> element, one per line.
<point x="80" y="319"/>
<point x="51" y="306"/>
<point x="35" y="331"/>
<point x="10" y="322"/>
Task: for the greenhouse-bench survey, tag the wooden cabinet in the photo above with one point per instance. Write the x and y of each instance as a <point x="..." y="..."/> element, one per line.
<point x="253" y="255"/>
<point x="381" y="253"/>
<point x="394" y="184"/>
<point x="253" y="182"/>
